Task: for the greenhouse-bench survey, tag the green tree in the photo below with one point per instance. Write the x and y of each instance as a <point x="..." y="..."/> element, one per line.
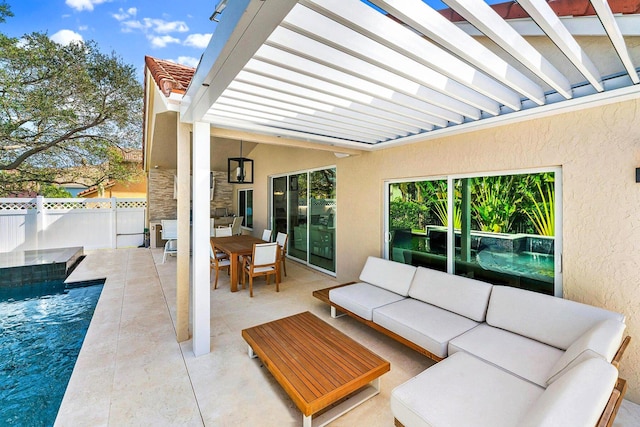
<point x="495" y="201"/>
<point x="55" y="191"/>
<point x="64" y="111"/>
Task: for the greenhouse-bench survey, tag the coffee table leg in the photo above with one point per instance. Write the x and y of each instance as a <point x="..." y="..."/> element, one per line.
<point x="307" y="421"/>
<point x="252" y="354"/>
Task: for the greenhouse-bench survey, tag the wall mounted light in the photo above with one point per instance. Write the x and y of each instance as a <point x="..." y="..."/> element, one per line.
<point x="219" y="8"/>
<point x="239" y="169"/>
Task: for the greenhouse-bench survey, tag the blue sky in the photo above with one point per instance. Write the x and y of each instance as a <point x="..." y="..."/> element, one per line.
<point x="175" y="30"/>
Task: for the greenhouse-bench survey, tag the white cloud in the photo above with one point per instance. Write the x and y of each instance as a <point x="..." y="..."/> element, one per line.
<point x="164" y="27"/>
<point x="149" y="25"/>
<point x="122" y="14"/>
<point x="198" y="40"/>
<point x="187" y="60"/>
<point x="83" y="28"/>
<point x="162" y="41"/>
<point x="65" y="37"/>
<point x="81" y="5"/>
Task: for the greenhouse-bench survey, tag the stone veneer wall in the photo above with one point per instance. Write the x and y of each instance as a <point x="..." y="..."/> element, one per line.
<point x="162" y="205"/>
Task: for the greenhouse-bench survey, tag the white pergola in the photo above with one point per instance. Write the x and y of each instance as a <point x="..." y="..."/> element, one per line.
<point x="350" y="74"/>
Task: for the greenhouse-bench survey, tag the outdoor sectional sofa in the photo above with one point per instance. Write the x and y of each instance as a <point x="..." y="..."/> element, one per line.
<point x="513" y="357"/>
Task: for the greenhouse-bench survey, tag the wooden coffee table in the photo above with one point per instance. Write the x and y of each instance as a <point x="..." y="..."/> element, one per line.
<point x="317" y="365"/>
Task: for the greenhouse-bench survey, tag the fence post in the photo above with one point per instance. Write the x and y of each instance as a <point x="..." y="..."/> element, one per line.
<point x="114" y="223"/>
<point x="39" y="240"/>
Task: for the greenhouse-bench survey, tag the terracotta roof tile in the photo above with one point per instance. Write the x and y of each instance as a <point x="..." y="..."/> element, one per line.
<point x="94" y="189"/>
<point x="512" y="10"/>
<point x="169" y="76"/>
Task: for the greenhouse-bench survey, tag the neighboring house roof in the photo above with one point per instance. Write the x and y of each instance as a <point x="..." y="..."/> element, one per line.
<point x="95" y="188"/>
<point x="169" y="76"/>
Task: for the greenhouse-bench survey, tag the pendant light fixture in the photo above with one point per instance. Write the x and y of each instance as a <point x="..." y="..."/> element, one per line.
<point x="239" y="169"/>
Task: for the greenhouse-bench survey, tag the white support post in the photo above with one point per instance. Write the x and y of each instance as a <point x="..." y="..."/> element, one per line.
<point x="184" y="230"/>
<point x="201" y="213"/>
<point x="113" y="205"/>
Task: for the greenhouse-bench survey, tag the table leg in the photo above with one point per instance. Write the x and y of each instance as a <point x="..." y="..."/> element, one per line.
<point x="234" y="273"/>
<point x="252" y="354"/>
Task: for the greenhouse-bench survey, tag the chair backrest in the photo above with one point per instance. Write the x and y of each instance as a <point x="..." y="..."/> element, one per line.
<point x="281" y="240"/>
<point x="266" y="235"/>
<point x="224" y="232"/>
<point x="169" y="229"/>
<point x="264" y="253"/>
<point x="237" y="222"/>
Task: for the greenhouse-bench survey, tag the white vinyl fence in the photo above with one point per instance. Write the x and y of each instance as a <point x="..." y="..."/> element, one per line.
<point x="43" y="223"/>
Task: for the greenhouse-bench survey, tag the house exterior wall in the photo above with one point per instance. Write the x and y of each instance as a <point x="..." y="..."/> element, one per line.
<point x="125" y="190"/>
<point x="598" y="150"/>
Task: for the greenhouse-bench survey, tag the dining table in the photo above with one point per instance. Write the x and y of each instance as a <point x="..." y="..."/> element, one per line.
<point x="235" y="247"/>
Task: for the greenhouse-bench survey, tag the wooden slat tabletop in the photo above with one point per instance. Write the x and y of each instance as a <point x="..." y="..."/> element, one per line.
<point x="316" y="364"/>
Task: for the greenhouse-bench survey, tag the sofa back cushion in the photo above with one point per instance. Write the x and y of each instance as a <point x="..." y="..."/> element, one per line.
<point x="392" y="276"/>
<point x="461" y="295"/>
<point x="554" y="321"/>
<point x="601" y="341"/>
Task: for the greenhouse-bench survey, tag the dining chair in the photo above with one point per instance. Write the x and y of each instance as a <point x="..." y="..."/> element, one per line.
<point x="263" y="262"/>
<point x="281" y="240"/>
<point x="217" y="263"/>
<point x="224" y="231"/>
<point x="235" y="226"/>
<point x="212" y="227"/>
<point x="170" y="234"/>
<point x="266" y="235"/>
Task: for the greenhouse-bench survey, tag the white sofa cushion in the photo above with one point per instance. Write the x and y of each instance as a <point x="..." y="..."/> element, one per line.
<point x="467" y="297"/>
<point x="390" y="275"/>
<point x="528" y="359"/>
<point x="577" y="398"/>
<point x="463" y="391"/>
<point x="601" y="341"/>
<point x="554" y="321"/>
<point x="362" y="298"/>
<point x="426" y="325"/>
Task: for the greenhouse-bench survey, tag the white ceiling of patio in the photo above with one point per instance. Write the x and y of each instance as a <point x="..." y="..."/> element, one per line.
<point x="345" y="73"/>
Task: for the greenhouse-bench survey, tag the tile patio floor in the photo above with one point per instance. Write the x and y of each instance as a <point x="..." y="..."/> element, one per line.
<point x="132" y="372"/>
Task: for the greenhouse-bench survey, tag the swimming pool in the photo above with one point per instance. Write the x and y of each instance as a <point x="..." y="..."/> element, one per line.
<point x="42" y="328"/>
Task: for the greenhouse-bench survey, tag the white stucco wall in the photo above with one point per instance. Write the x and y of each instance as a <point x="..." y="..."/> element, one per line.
<point x="598" y="150"/>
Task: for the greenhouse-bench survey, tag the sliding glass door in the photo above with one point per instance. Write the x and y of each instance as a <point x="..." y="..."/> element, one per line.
<point x="304" y="206"/>
<point x="499" y="228"/>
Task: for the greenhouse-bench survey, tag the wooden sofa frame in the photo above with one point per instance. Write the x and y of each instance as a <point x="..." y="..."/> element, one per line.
<point x="610" y="410"/>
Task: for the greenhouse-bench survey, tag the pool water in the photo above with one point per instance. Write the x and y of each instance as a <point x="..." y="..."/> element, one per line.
<point x="42" y="328"/>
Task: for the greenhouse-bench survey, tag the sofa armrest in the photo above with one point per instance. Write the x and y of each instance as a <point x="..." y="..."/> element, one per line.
<point x="618" y="356"/>
<point x="615" y="400"/>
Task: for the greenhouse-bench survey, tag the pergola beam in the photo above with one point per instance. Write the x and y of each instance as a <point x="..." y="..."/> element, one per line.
<point x="615" y="35"/>
<point x="365" y="20"/>
<point x="546" y="18"/>
<point x="244" y="27"/>
<point x="433" y="25"/>
<point x="487" y="20"/>
<point x="249" y="135"/>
